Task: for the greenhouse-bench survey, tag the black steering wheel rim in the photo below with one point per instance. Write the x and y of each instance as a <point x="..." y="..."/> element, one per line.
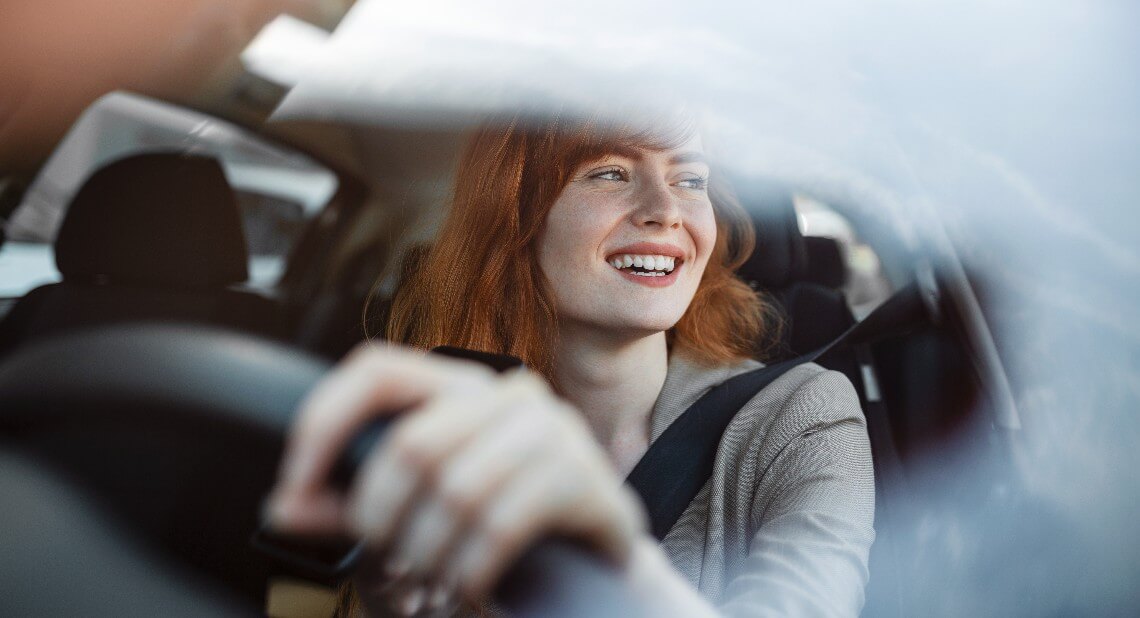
<point x="222" y="386"/>
<point x="210" y="374"/>
<point x="174" y="429"/>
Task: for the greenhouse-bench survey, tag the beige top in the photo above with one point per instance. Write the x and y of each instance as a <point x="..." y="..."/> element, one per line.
<point x="784" y="525"/>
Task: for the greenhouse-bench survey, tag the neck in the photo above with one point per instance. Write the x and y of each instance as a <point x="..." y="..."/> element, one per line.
<point x="614" y="382"/>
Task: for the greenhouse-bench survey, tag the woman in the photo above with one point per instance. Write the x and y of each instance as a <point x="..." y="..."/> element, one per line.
<point x="602" y="256"/>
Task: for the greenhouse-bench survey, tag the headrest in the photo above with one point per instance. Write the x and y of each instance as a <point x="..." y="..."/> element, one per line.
<point x="157" y="219"/>
<point x="780" y="257"/>
<point x="825" y="262"/>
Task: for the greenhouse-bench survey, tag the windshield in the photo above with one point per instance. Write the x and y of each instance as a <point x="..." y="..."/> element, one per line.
<point x="982" y="153"/>
<point x="998" y="143"/>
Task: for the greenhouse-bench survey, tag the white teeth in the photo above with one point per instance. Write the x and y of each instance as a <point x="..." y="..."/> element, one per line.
<point x="649" y="262"/>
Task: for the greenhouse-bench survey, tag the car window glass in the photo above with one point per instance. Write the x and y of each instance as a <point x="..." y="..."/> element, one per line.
<point x="278" y="190"/>
<point x="866" y="286"/>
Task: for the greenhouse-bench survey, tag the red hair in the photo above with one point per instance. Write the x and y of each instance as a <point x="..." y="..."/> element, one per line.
<point x="489" y="294"/>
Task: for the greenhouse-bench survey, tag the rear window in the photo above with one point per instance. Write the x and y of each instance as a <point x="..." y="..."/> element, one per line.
<point x="278" y="190"/>
<point x="866" y="286"/>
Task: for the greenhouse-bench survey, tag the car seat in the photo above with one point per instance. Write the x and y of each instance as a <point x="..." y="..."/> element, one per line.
<point x="802" y="275"/>
<point x="154" y="236"/>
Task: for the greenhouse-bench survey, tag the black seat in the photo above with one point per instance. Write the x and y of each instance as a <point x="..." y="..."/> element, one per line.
<point x="154" y="236"/>
<point x="825" y="264"/>
<point x="801" y="275"/>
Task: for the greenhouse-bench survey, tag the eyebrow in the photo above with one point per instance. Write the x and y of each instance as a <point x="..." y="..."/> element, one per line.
<point x="689" y="156"/>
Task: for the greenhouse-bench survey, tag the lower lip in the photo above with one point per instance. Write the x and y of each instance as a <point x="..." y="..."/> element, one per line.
<point x="650" y="282"/>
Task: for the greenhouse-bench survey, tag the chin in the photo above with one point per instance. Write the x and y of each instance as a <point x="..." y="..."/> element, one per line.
<point x="644" y="326"/>
<point x="629" y="319"/>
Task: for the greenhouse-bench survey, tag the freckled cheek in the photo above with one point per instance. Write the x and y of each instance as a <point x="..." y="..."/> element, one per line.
<point x="704" y="237"/>
<point x="567" y="250"/>
<point x="581" y="237"/>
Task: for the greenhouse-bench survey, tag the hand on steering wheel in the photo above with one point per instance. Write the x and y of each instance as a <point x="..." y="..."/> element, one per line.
<point x="477" y="468"/>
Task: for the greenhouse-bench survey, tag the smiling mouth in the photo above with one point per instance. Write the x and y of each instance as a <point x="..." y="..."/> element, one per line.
<point x="645" y="265"/>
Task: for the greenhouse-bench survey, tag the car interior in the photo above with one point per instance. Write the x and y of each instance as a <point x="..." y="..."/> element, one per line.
<point x="155" y="248"/>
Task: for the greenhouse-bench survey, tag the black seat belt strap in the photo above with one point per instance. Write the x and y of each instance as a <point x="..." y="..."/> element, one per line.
<point x="680" y="461"/>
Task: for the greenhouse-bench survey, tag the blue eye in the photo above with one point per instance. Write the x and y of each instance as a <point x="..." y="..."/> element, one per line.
<point x="699" y="183"/>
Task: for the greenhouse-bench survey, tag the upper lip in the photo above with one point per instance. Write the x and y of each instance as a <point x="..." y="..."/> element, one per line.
<point x="648" y="248"/>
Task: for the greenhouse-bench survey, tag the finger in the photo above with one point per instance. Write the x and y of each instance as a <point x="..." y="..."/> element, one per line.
<point x="520" y="512"/>
<point x="316" y="513"/>
<point x="428" y="531"/>
<point x="441" y="596"/>
<point x="412" y="601"/>
<point x="469" y="477"/>
<point x="376" y="578"/>
<point x="374" y="382"/>
<point x="406" y="461"/>
<point x="553" y="499"/>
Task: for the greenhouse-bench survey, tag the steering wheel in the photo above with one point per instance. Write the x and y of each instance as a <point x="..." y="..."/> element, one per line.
<point x="177" y="430"/>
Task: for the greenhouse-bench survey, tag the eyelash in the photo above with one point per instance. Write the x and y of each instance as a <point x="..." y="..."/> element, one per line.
<point x="700" y="183"/>
<point x="610" y="170"/>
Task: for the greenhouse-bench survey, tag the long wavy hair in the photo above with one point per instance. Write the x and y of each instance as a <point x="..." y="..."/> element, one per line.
<point x="479" y="285"/>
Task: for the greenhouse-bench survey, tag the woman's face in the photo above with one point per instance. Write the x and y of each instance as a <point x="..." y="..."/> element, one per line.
<point x="626" y="242"/>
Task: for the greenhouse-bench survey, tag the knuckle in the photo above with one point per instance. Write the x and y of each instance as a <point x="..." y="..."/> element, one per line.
<point x="579" y="484"/>
<point x="359" y="352"/>
<point x="469" y="384"/>
<point x="501" y="533"/>
<point x="368" y="354"/>
<point x="540" y="421"/>
<point x="523" y="388"/>
<point x="414" y="449"/>
<point x="312" y="425"/>
<point x="581" y="453"/>
<point x="529" y="382"/>
<point x="465" y="372"/>
<point x="463" y="500"/>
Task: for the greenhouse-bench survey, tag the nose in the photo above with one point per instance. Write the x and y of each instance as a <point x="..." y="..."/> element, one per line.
<point x="657" y="207"/>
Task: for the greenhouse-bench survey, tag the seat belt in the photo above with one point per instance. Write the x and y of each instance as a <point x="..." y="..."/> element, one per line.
<point x="677" y="465"/>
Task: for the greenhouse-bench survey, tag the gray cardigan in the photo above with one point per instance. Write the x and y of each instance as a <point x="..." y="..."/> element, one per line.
<point x="783" y="526"/>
